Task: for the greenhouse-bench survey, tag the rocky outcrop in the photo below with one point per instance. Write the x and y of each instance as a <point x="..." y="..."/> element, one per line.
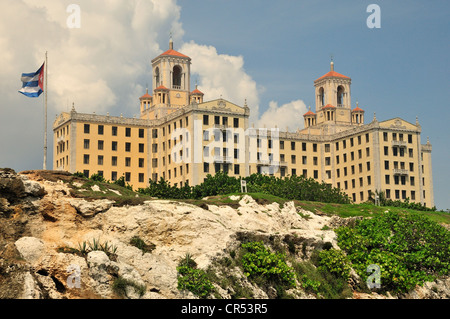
<point x="43" y="231"/>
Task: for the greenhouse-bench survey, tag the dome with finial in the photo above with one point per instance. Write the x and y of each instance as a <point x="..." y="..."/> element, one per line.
<point x="332" y="73"/>
<point x="146" y="95"/>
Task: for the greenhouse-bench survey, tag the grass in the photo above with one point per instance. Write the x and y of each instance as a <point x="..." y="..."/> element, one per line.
<point x="120" y="285"/>
<point x="367" y="210"/>
<point x="107" y="191"/>
<point x="129" y="197"/>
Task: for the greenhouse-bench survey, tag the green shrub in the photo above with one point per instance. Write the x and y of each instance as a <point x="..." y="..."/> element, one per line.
<point x="98" y="178"/>
<point x="258" y="261"/>
<point x="121" y="182"/>
<point x="291" y="187"/>
<point x="321" y="282"/>
<point x="120" y="285"/>
<point x="193" y="279"/>
<point x="139" y="243"/>
<point x="335" y="262"/>
<point x="409" y="249"/>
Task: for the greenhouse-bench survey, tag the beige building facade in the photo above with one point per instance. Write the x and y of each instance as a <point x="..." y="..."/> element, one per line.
<point x="182" y="138"/>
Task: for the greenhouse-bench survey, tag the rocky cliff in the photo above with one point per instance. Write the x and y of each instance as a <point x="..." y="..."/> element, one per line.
<point x="44" y="229"/>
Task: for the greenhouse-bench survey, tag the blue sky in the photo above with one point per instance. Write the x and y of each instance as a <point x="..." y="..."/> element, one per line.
<point x="268" y="52"/>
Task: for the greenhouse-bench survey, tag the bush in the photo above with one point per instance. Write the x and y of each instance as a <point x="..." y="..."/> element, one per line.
<point x="120" y="285"/>
<point x="121" y="182"/>
<point x="335" y="262"/>
<point x="98" y="178"/>
<point x="292" y="187"/>
<point x="410" y="249"/>
<point x="139" y="243"/>
<point x="258" y="261"/>
<point x="193" y="279"/>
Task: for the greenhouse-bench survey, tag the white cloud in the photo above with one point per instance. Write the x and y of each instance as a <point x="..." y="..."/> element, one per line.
<point x="222" y="75"/>
<point x="98" y="66"/>
<point x="104" y="67"/>
<point x="287" y="115"/>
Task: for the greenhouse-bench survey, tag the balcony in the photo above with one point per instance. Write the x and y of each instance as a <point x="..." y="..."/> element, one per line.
<point x="220" y="126"/>
<point x="223" y="159"/>
<point x="61" y="139"/>
<point x="401" y="171"/>
<point x="396" y="143"/>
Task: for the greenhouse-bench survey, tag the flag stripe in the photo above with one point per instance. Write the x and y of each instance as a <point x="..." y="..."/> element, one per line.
<point x="32" y="85"/>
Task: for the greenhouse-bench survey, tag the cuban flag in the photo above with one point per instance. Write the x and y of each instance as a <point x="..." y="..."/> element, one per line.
<point x="33" y="83"/>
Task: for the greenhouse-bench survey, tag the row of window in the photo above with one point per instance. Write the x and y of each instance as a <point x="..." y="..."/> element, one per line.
<point x="398" y="194"/>
<point x="353" y="183"/>
<point x="114" y="130"/>
<point x="114" y="174"/>
<point x="114" y="160"/>
<point x="399" y="135"/>
<point x="401" y="166"/>
<point x="217" y="120"/>
<point x="114" y="145"/>
<point x="399" y="151"/>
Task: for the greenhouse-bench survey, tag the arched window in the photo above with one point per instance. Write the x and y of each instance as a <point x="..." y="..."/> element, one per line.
<point x="157" y="78"/>
<point x="176" y="77"/>
<point x="321" y="96"/>
<point x="340" y="95"/>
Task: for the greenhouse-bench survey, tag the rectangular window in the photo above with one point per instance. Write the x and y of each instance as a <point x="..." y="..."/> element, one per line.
<point x="141" y="133"/>
<point x="141" y="147"/>
<point x="141" y="177"/>
<point x="100" y="145"/>
<point x="304" y="147"/>
<point x="281" y="145"/>
<point x="128" y="161"/>
<point x="114" y="131"/>
<point x="206" y="167"/>
<point x="100" y="129"/>
<point x="87" y="128"/>
<point x="114" y="161"/>
<point x="141" y="162"/>
<point x="100" y="160"/>
<point x="293" y="146"/>
<point x="86" y="159"/>
<point x="236" y="169"/>
<point x="114" y="146"/>
<point x="127" y="147"/>
<point x="314" y="147"/>
<point x="113" y="176"/>
<point x="236" y="122"/>
<point x="86" y="144"/>
<point x="127" y="176"/>
<point x="128" y="132"/>
<point x="205" y="119"/>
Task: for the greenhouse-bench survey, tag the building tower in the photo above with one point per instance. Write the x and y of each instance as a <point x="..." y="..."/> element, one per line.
<point x="333" y="97"/>
<point x="171" y="74"/>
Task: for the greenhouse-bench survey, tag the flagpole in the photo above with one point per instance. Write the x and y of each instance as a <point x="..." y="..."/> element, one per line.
<point x="45" y="113"/>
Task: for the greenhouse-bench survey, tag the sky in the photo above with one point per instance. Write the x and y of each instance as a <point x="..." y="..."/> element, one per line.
<point x="267" y="53"/>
